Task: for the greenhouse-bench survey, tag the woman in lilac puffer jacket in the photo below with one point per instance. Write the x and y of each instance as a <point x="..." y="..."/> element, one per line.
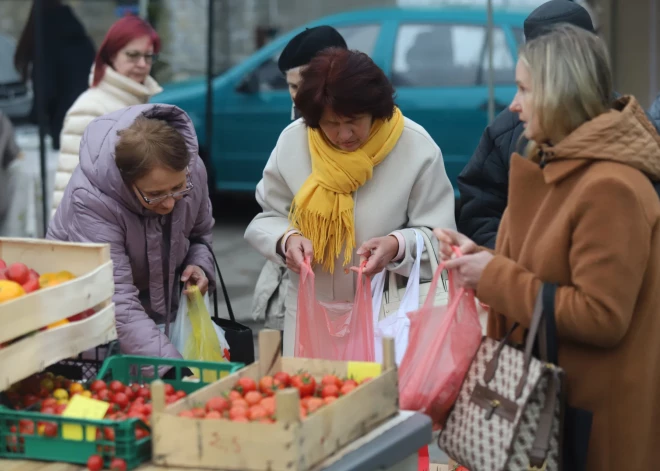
<point x="141" y="187"/>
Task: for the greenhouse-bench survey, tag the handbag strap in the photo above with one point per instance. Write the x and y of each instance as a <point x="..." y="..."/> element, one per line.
<point x="222" y="283"/>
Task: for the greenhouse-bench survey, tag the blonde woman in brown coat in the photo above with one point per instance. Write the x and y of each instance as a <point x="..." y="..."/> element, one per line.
<point x="583" y="214"/>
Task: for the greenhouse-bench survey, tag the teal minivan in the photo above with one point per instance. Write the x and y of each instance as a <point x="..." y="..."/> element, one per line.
<point x="436" y="59"/>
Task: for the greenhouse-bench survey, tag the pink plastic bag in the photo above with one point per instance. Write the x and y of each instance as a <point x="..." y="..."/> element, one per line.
<point x="443" y="340"/>
<point x="334" y="331"/>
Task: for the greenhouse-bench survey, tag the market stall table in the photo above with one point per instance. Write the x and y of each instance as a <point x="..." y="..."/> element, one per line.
<point x="394" y="444"/>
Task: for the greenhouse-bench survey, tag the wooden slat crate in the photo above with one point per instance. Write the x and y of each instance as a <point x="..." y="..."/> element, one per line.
<point x="93" y="287"/>
<point x="289" y="444"/>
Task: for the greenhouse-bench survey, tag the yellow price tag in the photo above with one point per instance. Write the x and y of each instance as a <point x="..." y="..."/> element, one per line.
<point x="81" y="407"/>
<point x="360" y="370"/>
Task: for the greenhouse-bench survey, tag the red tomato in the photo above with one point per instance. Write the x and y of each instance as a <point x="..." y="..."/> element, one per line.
<point x="218" y="404"/>
<point x="144" y="393"/>
<point x="26" y="427"/>
<point x="233" y="395"/>
<point x="283" y="378"/>
<point x="130" y="394"/>
<point x="180" y="394"/>
<point x="136" y="387"/>
<point x="50" y="429"/>
<point x="240" y="403"/>
<point x="328" y="380"/>
<point x="214" y="414"/>
<point x="346" y="388"/>
<point x="120" y="399"/>
<point x="141" y="433"/>
<point x="314" y="404"/>
<point x="329" y="399"/>
<point x="238" y="412"/>
<point x="109" y="433"/>
<point x="253" y="398"/>
<point x="104" y="395"/>
<point x="304" y="383"/>
<point x="147" y="409"/>
<point x="95" y="463"/>
<point x="18" y="272"/>
<point x="97" y="386"/>
<point x="268" y="385"/>
<point x="117" y="386"/>
<point x="351" y="382"/>
<point x="186" y="413"/>
<point x="245" y="385"/>
<point x="49" y="402"/>
<point x="48" y="410"/>
<point x="60" y="408"/>
<point x="170" y="399"/>
<point x="268" y="403"/>
<point x="199" y="413"/>
<point x="31" y="285"/>
<point x="329" y="390"/>
<point x="169" y="389"/>
<point x="117" y="464"/>
<point x="30" y="400"/>
<point x="257" y="413"/>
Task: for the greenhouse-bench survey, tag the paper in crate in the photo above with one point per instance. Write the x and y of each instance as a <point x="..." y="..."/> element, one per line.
<point x="289" y="444"/>
<point x="92" y="288"/>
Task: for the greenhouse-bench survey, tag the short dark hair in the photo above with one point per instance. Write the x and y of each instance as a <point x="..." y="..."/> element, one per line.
<point x="149" y="143"/>
<point x="347" y="81"/>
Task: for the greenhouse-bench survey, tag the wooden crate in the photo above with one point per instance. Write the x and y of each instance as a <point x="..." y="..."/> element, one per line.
<point x="93" y="287"/>
<point x="290" y="444"/>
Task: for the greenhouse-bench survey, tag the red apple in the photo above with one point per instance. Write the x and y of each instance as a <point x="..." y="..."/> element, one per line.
<point x="18" y="272"/>
<point x="31" y="285"/>
<point x="3" y="274"/>
<point x="2" y="264"/>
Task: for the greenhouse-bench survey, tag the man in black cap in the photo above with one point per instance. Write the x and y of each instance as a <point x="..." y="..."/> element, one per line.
<point x="301" y="50"/>
<point x="484" y="182"/>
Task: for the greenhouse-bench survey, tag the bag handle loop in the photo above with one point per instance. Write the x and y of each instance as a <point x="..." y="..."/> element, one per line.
<point x="222" y="283"/>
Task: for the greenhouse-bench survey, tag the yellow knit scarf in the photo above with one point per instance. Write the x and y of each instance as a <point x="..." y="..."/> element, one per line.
<point x="323" y="208"/>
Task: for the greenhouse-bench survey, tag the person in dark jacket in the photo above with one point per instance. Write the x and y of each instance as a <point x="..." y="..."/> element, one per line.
<point x="68" y="57"/>
<point x="301" y="50"/>
<point x="484" y="182"/>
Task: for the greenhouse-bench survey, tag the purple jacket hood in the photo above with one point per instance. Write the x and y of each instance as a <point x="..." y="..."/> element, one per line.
<point x="99" y="207"/>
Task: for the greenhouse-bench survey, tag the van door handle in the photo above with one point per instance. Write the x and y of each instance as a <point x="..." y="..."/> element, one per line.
<point x="499" y="106"/>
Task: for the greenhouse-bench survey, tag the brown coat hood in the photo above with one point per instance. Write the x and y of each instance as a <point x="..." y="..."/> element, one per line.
<point x="624" y="134"/>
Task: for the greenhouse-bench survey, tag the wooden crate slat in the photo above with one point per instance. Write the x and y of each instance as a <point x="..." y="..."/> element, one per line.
<point x="32" y="354"/>
<point x="46" y="306"/>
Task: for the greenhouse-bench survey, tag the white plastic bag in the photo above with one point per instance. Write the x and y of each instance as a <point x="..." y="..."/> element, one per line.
<point x="396" y="325"/>
<point x="181" y="329"/>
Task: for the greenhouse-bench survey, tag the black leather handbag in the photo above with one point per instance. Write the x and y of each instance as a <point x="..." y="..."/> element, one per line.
<point x="238" y="336"/>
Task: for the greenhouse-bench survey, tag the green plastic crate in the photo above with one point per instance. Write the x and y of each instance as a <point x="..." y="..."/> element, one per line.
<point x="125" y="368"/>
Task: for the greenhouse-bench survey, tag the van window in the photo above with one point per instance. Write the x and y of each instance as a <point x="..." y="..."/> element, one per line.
<point x="360" y="37"/>
<point x="504" y="69"/>
<point x="445" y="55"/>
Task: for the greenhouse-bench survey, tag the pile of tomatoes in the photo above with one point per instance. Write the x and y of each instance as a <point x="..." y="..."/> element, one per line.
<point x="252" y="401"/>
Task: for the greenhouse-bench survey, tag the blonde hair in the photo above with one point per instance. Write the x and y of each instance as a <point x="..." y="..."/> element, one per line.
<point x="571" y="80"/>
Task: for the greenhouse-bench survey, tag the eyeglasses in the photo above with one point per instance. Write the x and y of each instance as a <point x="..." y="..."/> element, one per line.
<point x="135" y="56"/>
<point x="176" y="195"/>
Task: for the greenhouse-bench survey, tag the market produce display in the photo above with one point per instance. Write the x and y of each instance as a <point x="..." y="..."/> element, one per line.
<point x="18" y="279"/>
<point x="252" y="401"/>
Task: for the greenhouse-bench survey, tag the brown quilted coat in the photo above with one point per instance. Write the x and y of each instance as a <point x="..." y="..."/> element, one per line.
<point x="589" y="221"/>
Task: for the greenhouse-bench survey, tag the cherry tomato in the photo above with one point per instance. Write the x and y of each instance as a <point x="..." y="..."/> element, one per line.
<point x="50" y="402"/>
<point x="117" y="464"/>
<point x="130" y="394"/>
<point x="238" y="412"/>
<point x="141" y="433"/>
<point x="144" y="393"/>
<point x="257" y="413"/>
<point x="109" y="434"/>
<point x="304" y="383"/>
<point x="253" y="398"/>
<point x="352" y="382"/>
<point x="245" y="385"/>
<point x="283" y="378"/>
<point x="314" y="404"/>
<point x="50" y="429"/>
<point x="180" y="394"/>
<point x="121" y="400"/>
<point x="329" y="399"/>
<point x="329" y="390"/>
<point x="269" y="385"/>
<point x="104" y="395"/>
<point x="214" y="414"/>
<point x="169" y="389"/>
<point x="95" y="463"/>
<point x="268" y="403"/>
<point x="240" y="403"/>
<point x="233" y="395"/>
<point x="97" y="386"/>
<point x="199" y="413"/>
<point x="346" y="388"/>
<point x="331" y="380"/>
<point x="218" y="404"/>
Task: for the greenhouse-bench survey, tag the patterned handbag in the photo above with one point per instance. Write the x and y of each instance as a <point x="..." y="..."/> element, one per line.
<point x="509" y="411"/>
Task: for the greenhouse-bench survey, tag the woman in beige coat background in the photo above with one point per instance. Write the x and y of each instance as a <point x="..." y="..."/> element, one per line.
<point x="119" y="78"/>
<point x="356" y="176"/>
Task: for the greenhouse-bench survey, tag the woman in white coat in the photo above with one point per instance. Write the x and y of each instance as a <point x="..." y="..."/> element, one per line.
<point x="348" y="182"/>
<point x="119" y="78"/>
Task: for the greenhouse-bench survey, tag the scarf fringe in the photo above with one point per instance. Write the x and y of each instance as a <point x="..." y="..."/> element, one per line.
<point x="328" y="236"/>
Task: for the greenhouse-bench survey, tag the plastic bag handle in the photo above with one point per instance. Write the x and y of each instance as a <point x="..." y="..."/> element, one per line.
<point x="222" y="283"/>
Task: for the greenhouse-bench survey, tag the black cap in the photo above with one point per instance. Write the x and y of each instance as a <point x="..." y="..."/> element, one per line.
<point x="555" y="12"/>
<point x="304" y="46"/>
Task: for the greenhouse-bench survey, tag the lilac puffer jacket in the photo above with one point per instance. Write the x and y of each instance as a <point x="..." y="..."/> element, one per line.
<point x="99" y="207"/>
